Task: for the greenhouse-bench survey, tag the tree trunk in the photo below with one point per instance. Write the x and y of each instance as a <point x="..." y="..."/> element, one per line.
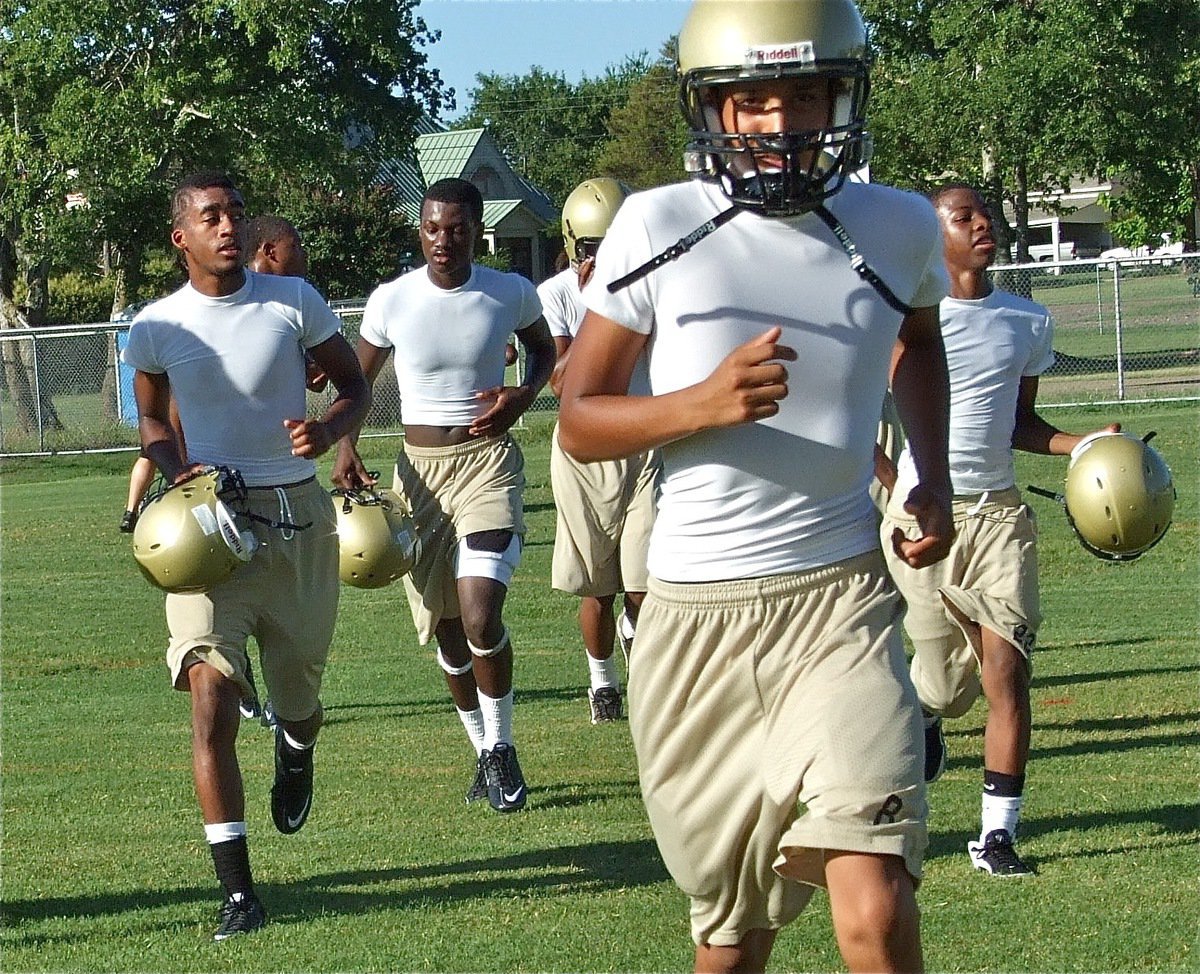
<point x="37" y="280"/>
<point x="16" y="378"/>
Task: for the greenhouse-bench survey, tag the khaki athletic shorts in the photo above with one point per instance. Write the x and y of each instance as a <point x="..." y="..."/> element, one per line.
<point x="773" y="719"/>
<point x="988" y="579"/>
<point x="605" y="513"/>
<point x="286" y="597"/>
<point x="454" y="491"/>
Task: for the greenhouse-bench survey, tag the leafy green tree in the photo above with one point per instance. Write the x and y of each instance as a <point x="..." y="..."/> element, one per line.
<point x="647" y="134"/>
<point x="1024" y="95"/>
<point x="551" y="130"/>
<point x="114" y="101"/>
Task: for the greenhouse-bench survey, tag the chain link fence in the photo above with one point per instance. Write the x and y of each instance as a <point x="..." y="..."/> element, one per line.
<point x="1125" y="331"/>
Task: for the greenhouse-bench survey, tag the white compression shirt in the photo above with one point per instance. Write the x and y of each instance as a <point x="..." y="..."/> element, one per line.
<point x="449" y="344"/>
<point x="787" y="493"/>
<point x="991" y="344"/>
<point x="236" y="368"/>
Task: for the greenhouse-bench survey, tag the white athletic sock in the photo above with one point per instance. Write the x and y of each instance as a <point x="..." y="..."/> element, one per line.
<point x="224" y="832"/>
<point x="472" y="720"/>
<point x="497" y="719"/>
<point x="625" y="625"/>
<point x="603" y="672"/>
<point x="1000" y="813"/>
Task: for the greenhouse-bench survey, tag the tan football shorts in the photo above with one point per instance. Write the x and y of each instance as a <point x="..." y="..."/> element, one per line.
<point x="773" y="719"/>
<point x="286" y="597"/>
<point x="890" y="438"/>
<point x="605" y="511"/>
<point x="454" y="491"/>
<point x="989" y="579"/>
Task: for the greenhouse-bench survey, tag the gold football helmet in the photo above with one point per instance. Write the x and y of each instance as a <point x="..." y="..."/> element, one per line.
<point x="728" y="43"/>
<point x="1119" y="495"/>
<point x="186" y="538"/>
<point x="377" y="538"/>
<point x="587" y="215"/>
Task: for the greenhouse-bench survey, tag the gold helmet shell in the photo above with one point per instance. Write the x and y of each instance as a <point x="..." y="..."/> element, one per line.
<point x="1119" y="495"/>
<point x="377" y="539"/>
<point x="186" y="539"/>
<point x="587" y="215"/>
<point x="726" y="43"/>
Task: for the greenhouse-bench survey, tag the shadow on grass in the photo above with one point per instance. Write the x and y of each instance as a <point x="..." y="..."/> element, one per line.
<point x="346" y="713"/>
<point x="592" y="867"/>
<point x="1178" y="822"/>
<point x="1104" y="676"/>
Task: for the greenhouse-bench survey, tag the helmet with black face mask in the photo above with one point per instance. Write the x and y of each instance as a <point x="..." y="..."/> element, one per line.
<point x="726" y="44"/>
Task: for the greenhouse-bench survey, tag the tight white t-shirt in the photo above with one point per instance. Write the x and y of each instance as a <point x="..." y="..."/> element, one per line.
<point x="787" y="493"/>
<point x="991" y="343"/>
<point x="562" y="304"/>
<point x="236" y="368"/>
<point x="449" y="344"/>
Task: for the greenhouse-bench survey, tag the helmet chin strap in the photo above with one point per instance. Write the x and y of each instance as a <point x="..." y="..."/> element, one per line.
<point x="684" y="244"/>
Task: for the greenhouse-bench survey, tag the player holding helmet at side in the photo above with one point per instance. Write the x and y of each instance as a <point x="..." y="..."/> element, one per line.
<point x="605" y="509"/>
<point x="777" y="735"/>
<point x="973" y="618"/>
<point x="230" y="347"/>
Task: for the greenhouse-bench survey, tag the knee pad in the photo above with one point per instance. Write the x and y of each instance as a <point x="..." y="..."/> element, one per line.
<point x="450" y="668"/>
<point x="496" y="565"/>
<point x="479" y="651"/>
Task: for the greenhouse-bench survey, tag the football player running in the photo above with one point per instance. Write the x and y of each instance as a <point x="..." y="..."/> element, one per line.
<point x="604" y="509"/>
<point x="778" y="737"/>
<point x="973" y="618"/>
<point x="230" y="347"/>
<point x="460" y="472"/>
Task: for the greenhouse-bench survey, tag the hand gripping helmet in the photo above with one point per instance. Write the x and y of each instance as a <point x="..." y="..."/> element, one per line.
<point x="186" y="539"/>
<point x="587" y="214"/>
<point x="1119" y="495"/>
<point x="727" y="43"/>
<point x="377" y="539"/>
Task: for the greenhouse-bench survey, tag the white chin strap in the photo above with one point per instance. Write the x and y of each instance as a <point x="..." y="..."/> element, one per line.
<point x="242" y="543"/>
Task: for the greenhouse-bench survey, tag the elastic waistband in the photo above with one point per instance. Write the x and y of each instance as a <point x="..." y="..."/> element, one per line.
<point x="476" y="445"/>
<point x="741" y="591"/>
<point x="296" y="483"/>
<point x="967" y="503"/>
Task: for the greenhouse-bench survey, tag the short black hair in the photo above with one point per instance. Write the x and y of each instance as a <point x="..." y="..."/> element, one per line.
<point x="935" y="195"/>
<point x="265" y="229"/>
<point x="204" y="179"/>
<point x="460" y="191"/>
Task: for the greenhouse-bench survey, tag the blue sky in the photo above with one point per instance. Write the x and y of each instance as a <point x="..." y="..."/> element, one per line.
<point x="574" y="37"/>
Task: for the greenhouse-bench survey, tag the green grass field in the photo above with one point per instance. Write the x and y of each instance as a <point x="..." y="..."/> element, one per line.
<point x="105" y="866"/>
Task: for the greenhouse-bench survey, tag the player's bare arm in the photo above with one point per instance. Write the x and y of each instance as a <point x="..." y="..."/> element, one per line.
<point x="562" y="346"/>
<point x="921" y="386"/>
<point x="598" y="420"/>
<point x="348" y="469"/>
<point x="509" y="402"/>
<point x="157" y="424"/>
<point x="1033" y="434"/>
<point x="335" y="357"/>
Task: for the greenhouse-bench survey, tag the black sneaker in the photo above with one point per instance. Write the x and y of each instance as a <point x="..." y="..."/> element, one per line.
<point x="935" y="750"/>
<point x="245" y="914"/>
<point x="605" y="704"/>
<point x="997" y="856"/>
<point x="128" y="522"/>
<point x="478" y="790"/>
<point x="249" y="709"/>
<point x="505" y="783"/>
<point x="291" y="795"/>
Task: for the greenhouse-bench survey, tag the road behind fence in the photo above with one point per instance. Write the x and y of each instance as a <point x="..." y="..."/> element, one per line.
<point x="1126" y="331"/>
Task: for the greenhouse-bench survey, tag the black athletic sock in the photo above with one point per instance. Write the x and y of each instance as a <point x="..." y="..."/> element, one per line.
<point x="232" y="861"/>
<point x="1003" y="785"/>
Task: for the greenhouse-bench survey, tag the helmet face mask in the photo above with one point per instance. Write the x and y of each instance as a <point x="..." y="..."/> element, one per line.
<point x="187" y="539"/>
<point x="587" y="214"/>
<point x="729" y="45"/>
<point x="377" y="540"/>
<point x="1119" y="496"/>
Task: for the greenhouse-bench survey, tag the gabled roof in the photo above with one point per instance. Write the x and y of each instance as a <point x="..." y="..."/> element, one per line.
<point x="444" y="155"/>
<point x="496" y="210"/>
